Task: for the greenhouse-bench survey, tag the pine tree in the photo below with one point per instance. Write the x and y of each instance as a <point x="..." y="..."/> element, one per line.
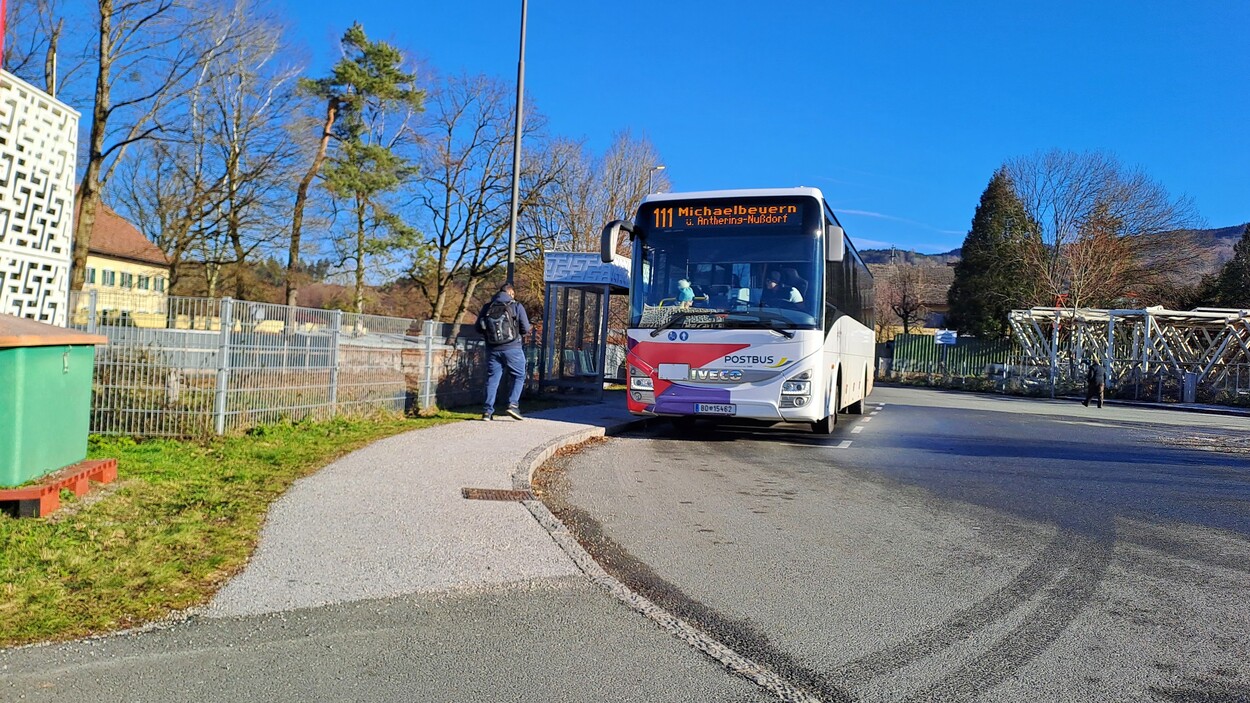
<point x="1232" y="286"/>
<point x="369" y="79"/>
<point x="990" y="279"/>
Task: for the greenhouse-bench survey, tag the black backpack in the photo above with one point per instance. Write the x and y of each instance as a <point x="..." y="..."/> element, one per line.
<point x="499" y="324"/>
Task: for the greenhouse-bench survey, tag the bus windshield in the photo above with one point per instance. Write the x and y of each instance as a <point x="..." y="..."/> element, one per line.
<point x="746" y="263"/>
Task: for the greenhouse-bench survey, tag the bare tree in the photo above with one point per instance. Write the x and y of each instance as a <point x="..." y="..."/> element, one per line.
<point x="209" y="195"/>
<point x="593" y="191"/>
<point x="33" y="31"/>
<point x="907" y="292"/>
<point x="464" y="192"/>
<point x="148" y="55"/>
<point x="1102" y="229"/>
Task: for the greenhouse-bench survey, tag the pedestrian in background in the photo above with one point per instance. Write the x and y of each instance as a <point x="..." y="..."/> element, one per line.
<point x="1095" y="383"/>
<point x="504" y="324"/>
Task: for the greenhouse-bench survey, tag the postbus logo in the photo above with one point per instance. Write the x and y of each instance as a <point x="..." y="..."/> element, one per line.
<point x="663" y="217"/>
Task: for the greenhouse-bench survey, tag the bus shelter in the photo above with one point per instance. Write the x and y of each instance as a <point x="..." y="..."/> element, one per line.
<point x="580" y="349"/>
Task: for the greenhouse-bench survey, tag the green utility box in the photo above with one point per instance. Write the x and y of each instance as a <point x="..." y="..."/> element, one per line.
<point x="45" y="398"/>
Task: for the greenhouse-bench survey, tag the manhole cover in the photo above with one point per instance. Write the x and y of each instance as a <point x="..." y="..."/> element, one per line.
<point x="495" y="494"/>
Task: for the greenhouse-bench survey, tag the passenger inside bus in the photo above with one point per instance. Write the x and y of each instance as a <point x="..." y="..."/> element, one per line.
<point x="777" y="294"/>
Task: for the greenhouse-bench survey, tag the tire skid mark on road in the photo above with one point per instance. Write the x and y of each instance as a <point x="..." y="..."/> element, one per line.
<point x="733" y="642"/>
<point x="963" y="624"/>
<point x="1060" y="606"/>
<point x="1195" y="551"/>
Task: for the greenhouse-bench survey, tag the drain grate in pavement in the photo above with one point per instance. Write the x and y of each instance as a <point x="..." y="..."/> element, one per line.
<point x="495" y="494"/>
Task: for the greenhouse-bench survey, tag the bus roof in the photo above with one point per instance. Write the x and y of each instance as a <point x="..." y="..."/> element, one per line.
<point x="742" y="193"/>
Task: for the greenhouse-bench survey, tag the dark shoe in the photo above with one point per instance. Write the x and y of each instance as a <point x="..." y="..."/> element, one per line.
<point x="1085" y="403"/>
<point x="514" y="413"/>
<point x="487" y="417"/>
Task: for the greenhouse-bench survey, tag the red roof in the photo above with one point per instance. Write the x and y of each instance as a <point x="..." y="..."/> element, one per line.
<point x="113" y="236"/>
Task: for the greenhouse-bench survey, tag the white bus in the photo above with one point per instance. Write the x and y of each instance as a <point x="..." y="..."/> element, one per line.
<point x="746" y="304"/>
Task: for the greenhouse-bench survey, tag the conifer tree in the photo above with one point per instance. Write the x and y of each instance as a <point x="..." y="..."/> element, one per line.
<point x="990" y="279"/>
<point x="368" y="80"/>
<point x="1232" y="286"/>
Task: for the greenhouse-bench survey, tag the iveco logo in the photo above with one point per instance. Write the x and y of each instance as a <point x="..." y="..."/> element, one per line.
<point x="731" y="375"/>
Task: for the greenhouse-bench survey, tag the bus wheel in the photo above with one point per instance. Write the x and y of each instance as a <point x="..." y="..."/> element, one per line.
<point x="825" y="425"/>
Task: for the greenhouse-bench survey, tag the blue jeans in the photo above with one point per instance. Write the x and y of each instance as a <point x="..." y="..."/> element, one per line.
<point x="513" y="359"/>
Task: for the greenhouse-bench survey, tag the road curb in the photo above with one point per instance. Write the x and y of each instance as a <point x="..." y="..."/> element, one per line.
<point x="734" y="662"/>
<point x="523" y="474"/>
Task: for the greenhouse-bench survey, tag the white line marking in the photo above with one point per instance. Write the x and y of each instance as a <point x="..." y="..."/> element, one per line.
<point x="867" y="419"/>
<point x="874" y="412"/>
<point x="844" y="444"/>
<point x="857" y="430"/>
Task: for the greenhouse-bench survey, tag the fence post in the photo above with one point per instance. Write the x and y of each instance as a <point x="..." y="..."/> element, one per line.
<point x="335" y="329"/>
<point x="93" y="299"/>
<point x="427" y="400"/>
<point x="223" y="366"/>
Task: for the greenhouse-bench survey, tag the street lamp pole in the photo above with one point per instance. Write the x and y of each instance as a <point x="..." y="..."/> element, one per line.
<point x="516" y="146"/>
<point x="651" y="175"/>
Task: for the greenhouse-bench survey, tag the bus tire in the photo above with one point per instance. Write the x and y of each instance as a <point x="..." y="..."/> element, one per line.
<point x="826" y="424"/>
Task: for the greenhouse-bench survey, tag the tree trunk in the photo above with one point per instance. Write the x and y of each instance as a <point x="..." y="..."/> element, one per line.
<point x="463" y="307"/>
<point x="89" y="190"/>
<point x="49" y="59"/>
<point x="360" y="255"/>
<point x="301" y="197"/>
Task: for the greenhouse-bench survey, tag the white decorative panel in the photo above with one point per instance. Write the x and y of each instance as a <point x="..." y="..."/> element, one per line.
<point x="574" y="267"/>
<point x="38" y="147"/>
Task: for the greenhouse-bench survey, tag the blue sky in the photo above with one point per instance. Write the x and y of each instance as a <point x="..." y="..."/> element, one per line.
<point x="899" y="111"/>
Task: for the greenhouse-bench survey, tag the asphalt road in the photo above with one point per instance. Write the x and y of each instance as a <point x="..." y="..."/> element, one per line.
<point x="544" y="641"/>
<point x="945" y="547"/>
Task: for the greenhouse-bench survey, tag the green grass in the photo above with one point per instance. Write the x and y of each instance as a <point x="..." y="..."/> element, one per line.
<point x="182" y="518"/>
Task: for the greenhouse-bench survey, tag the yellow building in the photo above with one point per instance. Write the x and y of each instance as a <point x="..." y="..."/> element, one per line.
<point x="129" y="274"/>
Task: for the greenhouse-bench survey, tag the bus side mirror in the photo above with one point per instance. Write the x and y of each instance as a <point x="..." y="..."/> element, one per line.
<point x="611" y="237"/>
<point x="835" y="243"/>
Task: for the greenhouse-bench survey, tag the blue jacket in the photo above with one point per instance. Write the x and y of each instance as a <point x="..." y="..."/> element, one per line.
<point x="518" y="309"/>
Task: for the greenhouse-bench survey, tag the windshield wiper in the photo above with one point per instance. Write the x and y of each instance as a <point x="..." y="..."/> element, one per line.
<point x="673" y="320"/>
<point x="770" y="318"/>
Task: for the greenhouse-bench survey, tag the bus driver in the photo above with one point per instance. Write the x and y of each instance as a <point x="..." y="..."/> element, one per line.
<point x="778" y="294"/>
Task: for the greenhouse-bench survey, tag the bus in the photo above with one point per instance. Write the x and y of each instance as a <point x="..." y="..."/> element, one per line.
<point x="745" y="304"/>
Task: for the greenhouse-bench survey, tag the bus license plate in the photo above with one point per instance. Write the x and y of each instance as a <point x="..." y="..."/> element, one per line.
<point x="715" y="408"/>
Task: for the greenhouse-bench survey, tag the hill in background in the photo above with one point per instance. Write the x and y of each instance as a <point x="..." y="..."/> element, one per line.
<point x="899" y="256"/>
<point x="1214" y="246"/>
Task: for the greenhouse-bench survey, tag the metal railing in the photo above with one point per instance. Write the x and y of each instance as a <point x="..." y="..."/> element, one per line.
<point x="179" y="366"/>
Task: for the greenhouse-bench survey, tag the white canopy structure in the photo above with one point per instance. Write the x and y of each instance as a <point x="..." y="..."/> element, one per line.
<point x="1205" y="349"/>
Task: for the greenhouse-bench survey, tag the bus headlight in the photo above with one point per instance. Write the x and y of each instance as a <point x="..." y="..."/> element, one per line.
<point x="796" y="388"/>
<point x="639" y="381"/>
<point x="796" y="391"/>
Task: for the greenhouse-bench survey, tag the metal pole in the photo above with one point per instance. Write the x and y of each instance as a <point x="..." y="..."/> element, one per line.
<point x="516" y="146"/>
<point x="223" y="366"/>
<point x="335" y="334"/>
<point x="1054" y="352"/>
<point x="92" y="303"/>
<point x="426" y="401"/>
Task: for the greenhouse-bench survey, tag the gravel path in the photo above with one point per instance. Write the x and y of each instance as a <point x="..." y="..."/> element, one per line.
<point x="389" y="519"/>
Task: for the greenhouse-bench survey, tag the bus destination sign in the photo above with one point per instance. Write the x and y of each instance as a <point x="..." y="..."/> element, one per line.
<point x="695" y="216"/>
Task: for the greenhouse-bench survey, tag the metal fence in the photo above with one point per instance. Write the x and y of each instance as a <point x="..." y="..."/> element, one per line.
<point x="179" y="366"/>
<point x="1005" y="367"/>
<point x="918" y="354"/>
